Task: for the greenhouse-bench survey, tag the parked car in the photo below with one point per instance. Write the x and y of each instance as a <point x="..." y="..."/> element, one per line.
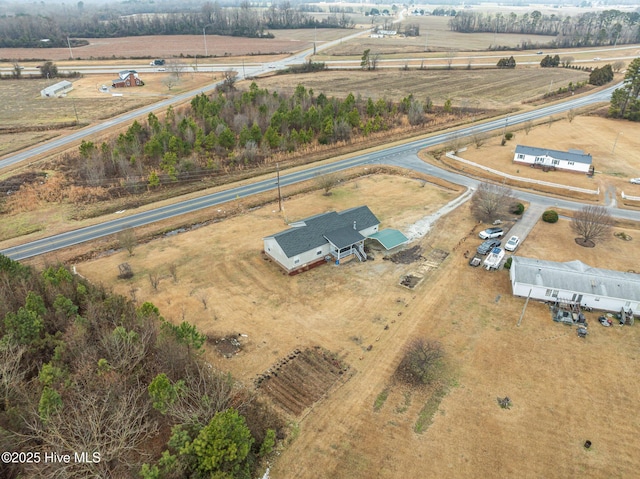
<point x="491" y="233"/>
<point x="488" y="245"/>
<point x="512" y="243"/>
<point x="540" y="52"/>
<point x="635" y="181"/>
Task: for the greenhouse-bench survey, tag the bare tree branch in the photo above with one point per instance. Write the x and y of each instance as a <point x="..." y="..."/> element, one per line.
<point x="491" y="201"/>
<point x="592" y="223"/>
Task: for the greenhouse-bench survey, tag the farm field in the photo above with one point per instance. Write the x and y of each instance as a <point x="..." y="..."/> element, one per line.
<point x="486" y="88"/>
<point x="565" y="390"/>
<point x="285" y="41"/>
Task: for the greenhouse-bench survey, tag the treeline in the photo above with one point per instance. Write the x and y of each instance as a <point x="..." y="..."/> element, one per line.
<point x="625" y="101"/>
<point x="235" y="130"/>
<point x="85" y="371"/>
<point x="608" y="27"/>
<point x="57" y="29"/>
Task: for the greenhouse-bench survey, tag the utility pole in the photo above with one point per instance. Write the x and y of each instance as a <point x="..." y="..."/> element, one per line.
<point x="278" y="183"/>
<point x="69" y="44"/>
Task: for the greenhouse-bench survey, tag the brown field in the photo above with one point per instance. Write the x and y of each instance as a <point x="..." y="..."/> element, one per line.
<point x="564" y="389"/>
<point x="25" y="109"/>
<point x="285" y="41"/>
<point x="485" y="88"/>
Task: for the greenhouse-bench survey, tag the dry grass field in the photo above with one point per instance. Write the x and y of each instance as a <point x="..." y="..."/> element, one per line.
<point x="591" y="134"/>
<point x="484" y="88"/>
<point x="43" y="118"/>
<point x="565" y="390"/>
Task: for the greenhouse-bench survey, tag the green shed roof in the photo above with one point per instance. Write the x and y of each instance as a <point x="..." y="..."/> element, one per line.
<point x="389" y="238"/>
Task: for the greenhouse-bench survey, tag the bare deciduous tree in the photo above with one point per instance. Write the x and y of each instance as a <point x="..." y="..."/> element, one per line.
<point x="479" y="139"/>
<point x="591" y="223"/>
<point x="491" y="201"/>
<point x="421" y="363"/>
<point x="618" y="65"/>
<point x="571" y="114"/>
<point x="154" y="280"/>
<point x="127" y="240"/>
<point x="113" y="420"/>
<point x="566" y="61"/>
<point x="11" y="371"/>
<point x="327" y="181"/>
<point x="374" y="59"/>
<point x="173" y="271"/>
<point x="451" y="54"/>
<point x="528" y="125"/>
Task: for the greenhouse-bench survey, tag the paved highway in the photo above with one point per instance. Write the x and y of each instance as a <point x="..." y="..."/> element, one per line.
<point x="404" y="156"/>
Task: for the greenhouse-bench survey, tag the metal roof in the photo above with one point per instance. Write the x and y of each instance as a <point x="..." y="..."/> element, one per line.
<point x="577" y="277"/>
<point x="389" y="238"/>
<point x="310" y="233"/>
<point x="576" y="156"/>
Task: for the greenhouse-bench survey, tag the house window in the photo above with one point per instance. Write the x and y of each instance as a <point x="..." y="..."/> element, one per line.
<point x="547" y="292"/>
<point x="296" y="260"/>
<point x="520" y="156"/>
<point x="597" y="299"/>
<point x="555" y="293"/>
<point x="555" y="162"/>
<point x="570" y="163"/>
<point x="319" y="252"/>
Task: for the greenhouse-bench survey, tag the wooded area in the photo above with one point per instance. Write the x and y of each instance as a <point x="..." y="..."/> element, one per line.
<point x="625" y="101"/>
<point x="234" y="130"/>
<point x="86" y="371"/>
<point x="609" y="27"/>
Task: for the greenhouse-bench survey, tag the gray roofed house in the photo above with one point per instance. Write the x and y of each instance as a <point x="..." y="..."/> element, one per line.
<point x="572" y="160"/>
<point x="575" y="282"/>
<point x="312" y="240"/>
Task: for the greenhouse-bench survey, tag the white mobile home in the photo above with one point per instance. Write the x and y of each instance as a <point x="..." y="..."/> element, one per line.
<point x="575" y="282"/>
<point x="57" y="89"/>
<point x="572" y="160"/>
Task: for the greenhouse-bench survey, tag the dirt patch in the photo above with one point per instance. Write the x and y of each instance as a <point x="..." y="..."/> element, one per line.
<point x="302" y="378"/>
<point x="406" y="256"/>
<point x="227" y="346"/>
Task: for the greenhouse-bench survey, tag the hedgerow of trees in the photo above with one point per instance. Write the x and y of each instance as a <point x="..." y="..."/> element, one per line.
<point x="507" y="62"/>
<point x="607" y="27"/>
<point x="625" y="101"/>
<point x="234" y="130"/>
<point x="61" y="25"/>
<point x="601" y="76"/>
<point x="83" y="370"/>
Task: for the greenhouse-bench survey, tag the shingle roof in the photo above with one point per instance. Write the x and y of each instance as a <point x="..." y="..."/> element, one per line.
<point x="310" y="233"/>
<point x="343" y="237"/>
<point x="572" y="155"/>
<point x="577" y="277"/>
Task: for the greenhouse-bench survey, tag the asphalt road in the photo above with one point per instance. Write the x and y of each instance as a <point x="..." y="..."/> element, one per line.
<point x="404" y="156"/>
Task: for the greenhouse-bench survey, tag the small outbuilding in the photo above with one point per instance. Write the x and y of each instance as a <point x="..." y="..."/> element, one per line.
<point x="572" y="160"/>
<point x="574" y="282"/>
<point x="57" y="89"/>
<point x="127" y="78"/>
<point x="327" y="236"/>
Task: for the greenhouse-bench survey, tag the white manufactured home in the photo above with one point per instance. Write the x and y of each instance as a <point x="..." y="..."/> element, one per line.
<point x="572" y="160"/>
<point x="328" y="236"/>
<point x="575" y="282"/>
<point x="57" y="89"/>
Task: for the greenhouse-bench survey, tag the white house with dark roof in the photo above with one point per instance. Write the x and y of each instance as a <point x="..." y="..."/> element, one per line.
<point x="331" y="235"/>
<point x="575" y="282"/>
<point x="572" y="160"/>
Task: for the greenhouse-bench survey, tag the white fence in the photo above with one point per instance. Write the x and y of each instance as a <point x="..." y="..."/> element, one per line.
<point x="451" y="155"/>
<point x="627" y="197"/>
